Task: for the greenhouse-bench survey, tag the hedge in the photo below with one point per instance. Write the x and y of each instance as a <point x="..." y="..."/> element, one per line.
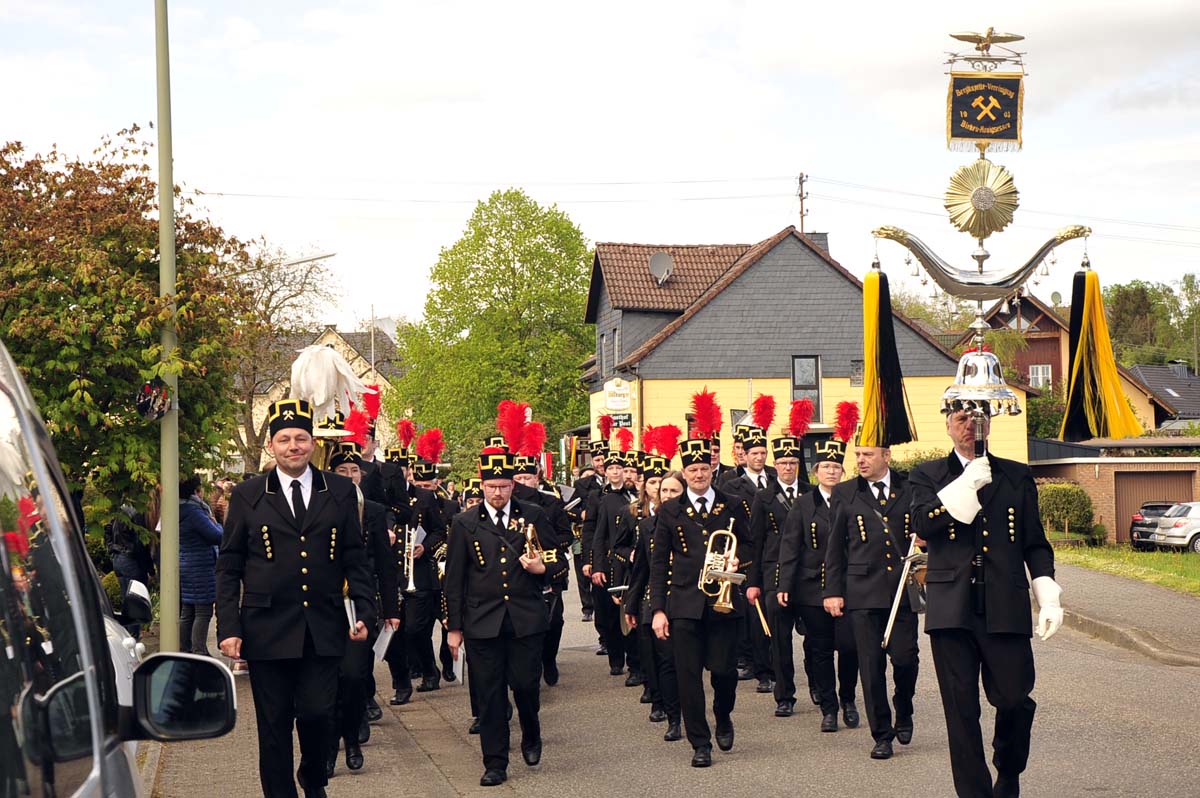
<point x="1061" y="504"/>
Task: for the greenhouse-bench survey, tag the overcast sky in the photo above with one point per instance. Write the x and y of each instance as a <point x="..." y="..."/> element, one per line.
<point x="371" y="129"/>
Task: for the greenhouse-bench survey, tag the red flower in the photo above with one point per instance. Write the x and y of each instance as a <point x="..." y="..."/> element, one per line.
<point x="17" y="543"/>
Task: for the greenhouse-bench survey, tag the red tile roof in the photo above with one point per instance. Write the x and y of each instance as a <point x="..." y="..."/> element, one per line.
<point x="625" y="270"/>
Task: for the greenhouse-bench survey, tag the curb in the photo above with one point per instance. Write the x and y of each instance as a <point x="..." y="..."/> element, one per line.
<point x="149" y="755"/>
<point x="1136" y="640"/>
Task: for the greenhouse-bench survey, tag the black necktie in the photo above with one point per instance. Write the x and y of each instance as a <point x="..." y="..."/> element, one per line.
<point x="297" y="502"/>
<point x="700" y="504"/>
<point x="791" y="494"/>
<point x="761" y="484"/>
<point x="882" y="488"/>
<point x="500" y="518"/>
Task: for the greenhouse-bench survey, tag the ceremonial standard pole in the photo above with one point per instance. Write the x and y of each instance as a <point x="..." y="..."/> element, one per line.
<point x="168" y="607"/>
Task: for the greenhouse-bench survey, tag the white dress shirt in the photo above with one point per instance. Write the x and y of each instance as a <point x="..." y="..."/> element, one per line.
<point x="710" y="498"/>
<point x="305" y="487"/>
<point x="492" y="511"/>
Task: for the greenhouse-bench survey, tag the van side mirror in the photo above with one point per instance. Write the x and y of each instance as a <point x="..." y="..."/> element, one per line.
<point x="182" y="697"/>
<point x="135" y="607"/>
<point x="58" y="724"/>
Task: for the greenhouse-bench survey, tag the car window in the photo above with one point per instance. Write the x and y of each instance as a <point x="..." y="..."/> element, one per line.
<point x="1178" y="511"/>
<point x="1153" y="510"/>
<point x="46" y="729"/>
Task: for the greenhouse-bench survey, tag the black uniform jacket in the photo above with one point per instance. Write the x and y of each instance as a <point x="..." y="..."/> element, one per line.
<point x="551" y="504"/>
<point x="289" y="579"/>
<point x="636" y="600"/>
<point x="607" y="510"/>
<point x="680" y="540"/>
<point x="425" y="512"/>
<point x="735" y="481"/>
<point x="1007" y="533"/>
<point x="625" y="542"/>
<point x="802" y="550"/>
<point x="866" y="548"/>
<point x="379" y="557"/>
<point x="768" y="518"/>
<point x="484" y="577"/>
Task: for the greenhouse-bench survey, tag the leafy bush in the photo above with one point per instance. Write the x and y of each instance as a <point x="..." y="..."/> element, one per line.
<point x="97" y="552"/>
<point x="1061" y="504"/>
<point x="1044" y="414"/>
<point x="914" y="458"/>
<point x="1099" y="535"/>
<point x="112" y="586"/>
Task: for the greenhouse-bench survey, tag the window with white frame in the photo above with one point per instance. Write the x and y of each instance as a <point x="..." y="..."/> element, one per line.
<point x="1040" y="375"/>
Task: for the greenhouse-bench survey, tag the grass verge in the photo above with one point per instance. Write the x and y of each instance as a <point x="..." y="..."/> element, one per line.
<point x="1175" y="570"/>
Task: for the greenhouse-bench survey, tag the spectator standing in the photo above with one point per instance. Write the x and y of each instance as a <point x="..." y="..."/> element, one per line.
<point x="199" y="537"/>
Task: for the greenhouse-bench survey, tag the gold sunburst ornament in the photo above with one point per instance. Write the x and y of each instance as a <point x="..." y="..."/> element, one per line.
<point x="981" y="198"/>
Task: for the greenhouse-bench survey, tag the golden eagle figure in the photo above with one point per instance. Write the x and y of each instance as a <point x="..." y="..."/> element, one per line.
<point x="983" y="41"/>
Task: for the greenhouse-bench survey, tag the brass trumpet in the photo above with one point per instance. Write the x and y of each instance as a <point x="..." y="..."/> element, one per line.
<point x="410" y="543"/>
<point x="715" y="572"/>
<point x="533" y="544"/>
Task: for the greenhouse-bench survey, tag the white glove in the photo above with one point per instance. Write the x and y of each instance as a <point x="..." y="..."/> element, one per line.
<point x="960" y="497"/>
<point x="1050" y="612"/>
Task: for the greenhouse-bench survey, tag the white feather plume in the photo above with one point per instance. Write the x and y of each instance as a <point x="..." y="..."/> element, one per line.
<point x="320" y="375"/>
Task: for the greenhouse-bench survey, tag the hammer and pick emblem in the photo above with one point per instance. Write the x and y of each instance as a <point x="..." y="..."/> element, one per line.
<point x="985" y="109"/>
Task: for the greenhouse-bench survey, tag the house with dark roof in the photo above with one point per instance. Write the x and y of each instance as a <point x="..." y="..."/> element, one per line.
<point x="1176" y="389"/>
<point x="780" y="317"/>
<point x="1044" y="361"/>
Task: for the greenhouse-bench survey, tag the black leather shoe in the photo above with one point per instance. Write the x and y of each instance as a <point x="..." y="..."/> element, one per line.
<point x="850" y="714"/>
<point x="702" y="757"/>
<point x="634" y="679"/>
<point x="602" y="651"/>
<point x="646" y="698"/>
<point x="309" y="792"/>
<point x="448" y="671"/>
<point x="615" y="670"/>
<point x="784" y="709"/>
<point x="532" y="753"/>
<point x="374" y="711"/>
<point x="492" y="778"/>
<point x="331" y="764"/>
<point x="1007" y="786"/>
<point x="724" y="733"/>
<point x="673" y="732"/>
<point x="364" y="731"/>
<point x="402" y="697"/>
<point x="829" y="722"/>
<point x="657" y="715"/>
<point x="474" y="727"/>
<point x="587" y="616"/>
<point x="745" y="674"/>
<point x="428" y="684"/>
<point x="354" y="757"/>
<point x="904" y="730"/>
<point x="815" y="696"/>
<point x="765" y="685"/>
<point x="550" y="673"/>
<point x="882" y="750"/>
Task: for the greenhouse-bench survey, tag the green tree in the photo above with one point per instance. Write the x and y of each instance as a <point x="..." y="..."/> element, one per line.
<point x="503" y="320"/>
<point x="1143" y="322"/>
<point x="81" y="315"/>
<point x="943" y="312"/>
<point x="1044" y="414"/>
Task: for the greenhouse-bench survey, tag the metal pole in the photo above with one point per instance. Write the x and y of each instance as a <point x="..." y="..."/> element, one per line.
<point x="169" y="432"/>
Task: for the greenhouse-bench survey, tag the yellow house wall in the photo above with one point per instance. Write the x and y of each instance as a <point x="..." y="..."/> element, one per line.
<point x="669" y="402"/>
<point x="1140" y="403"/>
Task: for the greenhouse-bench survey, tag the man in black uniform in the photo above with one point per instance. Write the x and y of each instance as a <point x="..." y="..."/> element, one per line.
<point x="494" y="595"/>
<point x="768" y="521"/>
<point x="979" y="517"/>
<point x="292" y="543"/>
<point x="354" y="678"/>
<point x="605" y="508"/>
<point x="872" y="523"/>
<point x="425" y="477"/>
<point x="393" y="476"/>
<point x="703" y="636"/>
<point x="585" y="486"/>
<point x="801" y="584"/>
<point x="423" y="606"/>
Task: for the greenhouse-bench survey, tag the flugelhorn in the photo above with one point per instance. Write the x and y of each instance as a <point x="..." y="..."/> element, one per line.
<point x="533" y="544"/>
<point x="716" y="573"/>
<point x="410" y="543"/>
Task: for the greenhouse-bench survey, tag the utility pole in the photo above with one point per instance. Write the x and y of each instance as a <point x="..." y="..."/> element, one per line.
<point x="169" y="431"/>
<point x="803" y="195"/>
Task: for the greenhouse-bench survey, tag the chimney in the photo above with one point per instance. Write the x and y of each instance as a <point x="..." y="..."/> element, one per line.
<point x="1179" y="368"/>
<point x="821" y="240"/>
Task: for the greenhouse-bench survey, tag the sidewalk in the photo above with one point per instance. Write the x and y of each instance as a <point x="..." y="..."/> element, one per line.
<point x="1151" y="620"/>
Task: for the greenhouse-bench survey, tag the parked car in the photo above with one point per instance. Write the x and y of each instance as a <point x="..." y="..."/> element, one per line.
<point x="74" y="692"/>
<point x="1145" y="524"/>
<point x="1179" y="528"/>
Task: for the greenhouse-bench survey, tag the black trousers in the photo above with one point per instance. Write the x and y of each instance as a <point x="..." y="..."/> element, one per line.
<point x="960" y="656"/>
<point x="582" y="583"/>
<point x="194" y="620"/>
<point x="444" y="653"/>
<point x="300" y="692"/>
<point x="825" y="635"/>
<point x="420" y="612"/>
<point x="608" y="624"/>
<point x="758" y="644"/>
<point x="784" y="621"/>
<point x="352" y="694"/>
<point x="554" y="606"/>
<point x="868" y="628"/>
<point x="396" y="657"/>
<point x="707" y="643"/>
<point x="497" y="664"/>
<point x="658" y="663"/>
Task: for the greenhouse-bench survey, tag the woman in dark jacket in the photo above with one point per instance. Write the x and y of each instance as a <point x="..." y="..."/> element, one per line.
<point x="199" y="536"/>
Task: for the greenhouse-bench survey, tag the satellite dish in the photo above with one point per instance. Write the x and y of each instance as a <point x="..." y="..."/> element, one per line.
<point x="661" y="266"/>
<point x="1056" y="298"/>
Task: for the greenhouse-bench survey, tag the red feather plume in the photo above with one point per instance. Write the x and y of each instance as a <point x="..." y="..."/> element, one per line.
<point x="762" y="411"/>
<point x="605" y="423"/>
<point x="800" y="417"/>
<point x="358" y="425"/>
<point x="371" y="402"/>
<point x="406" y="431"/>
<point x="625" y="438"/>
<point x="510" y="421"/>
<point x="847" y="421"/>
<point x="666" y="440"/>
<point x="707" y="413"/>
<point x="650" y="439"/>
<point x="430" y="445"/>
<point x="533" y="439"/>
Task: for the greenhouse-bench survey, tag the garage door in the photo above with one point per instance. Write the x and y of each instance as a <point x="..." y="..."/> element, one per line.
<point x="1136" y="487"/>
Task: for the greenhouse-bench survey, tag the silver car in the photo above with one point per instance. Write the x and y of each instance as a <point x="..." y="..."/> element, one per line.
<point x="1179" y="528"/>
<point x="73" y="693"/>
